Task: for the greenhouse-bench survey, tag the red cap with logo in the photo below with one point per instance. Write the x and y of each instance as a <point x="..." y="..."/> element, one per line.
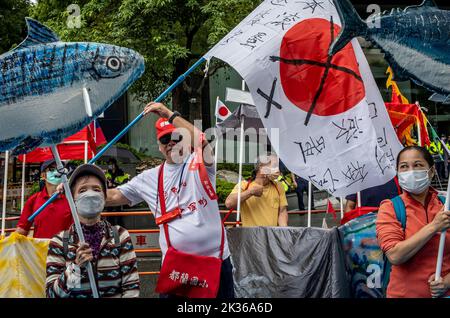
<point x="163" y="127"/>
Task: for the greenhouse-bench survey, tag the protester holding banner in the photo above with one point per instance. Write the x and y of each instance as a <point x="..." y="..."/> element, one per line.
<point x="56" y="217"/>
<point x="108" y="247"/>
<point x="181" y="194"/>
<point x="408" y="233"/>
<point x="263" y="201"/>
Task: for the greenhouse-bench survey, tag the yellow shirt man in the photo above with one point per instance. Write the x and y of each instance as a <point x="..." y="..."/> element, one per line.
<point x="261" y="210"/>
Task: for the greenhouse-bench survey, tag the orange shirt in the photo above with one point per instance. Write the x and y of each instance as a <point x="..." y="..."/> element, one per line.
<point x="410" y="280"/>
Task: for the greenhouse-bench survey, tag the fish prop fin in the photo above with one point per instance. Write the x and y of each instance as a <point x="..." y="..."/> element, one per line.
<point x="352" y="25"/>
<point x="87" y="102"/>
<point x="424" y="4"/>
<point x="429" y="3"/>
<point x="37" y="34"/>
<point x="9" y="144"/>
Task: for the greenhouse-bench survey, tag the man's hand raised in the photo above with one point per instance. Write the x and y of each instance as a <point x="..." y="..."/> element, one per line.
<point x="159" y="109"/>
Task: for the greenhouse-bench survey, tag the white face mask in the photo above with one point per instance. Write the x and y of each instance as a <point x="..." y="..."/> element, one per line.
<point x="90" y="204"/>
<point x="414" y="181"/>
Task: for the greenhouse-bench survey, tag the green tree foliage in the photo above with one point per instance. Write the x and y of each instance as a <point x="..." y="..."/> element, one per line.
<point x="12" y="23"/>
<point x="170" y="34"/>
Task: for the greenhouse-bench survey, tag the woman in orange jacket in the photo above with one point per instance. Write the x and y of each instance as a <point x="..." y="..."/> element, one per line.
<point x="413" y="251"/>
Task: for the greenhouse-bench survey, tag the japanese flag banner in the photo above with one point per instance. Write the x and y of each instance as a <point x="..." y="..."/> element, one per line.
<point x="222" y="111"/>
<point x="333" y="127"/>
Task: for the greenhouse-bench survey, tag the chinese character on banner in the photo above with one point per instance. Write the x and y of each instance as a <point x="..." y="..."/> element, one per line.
<point x="174" y="275"/>
<point x="141" y="240"/>
<point x="184" y="279"/>
<point x="204" y="284"/>
<point x="194" y="281"/>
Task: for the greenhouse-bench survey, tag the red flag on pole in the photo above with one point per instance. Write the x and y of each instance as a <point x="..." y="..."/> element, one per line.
<point x="330" y="209"/>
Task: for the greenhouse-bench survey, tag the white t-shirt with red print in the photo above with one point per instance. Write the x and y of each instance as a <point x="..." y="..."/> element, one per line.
<point x="199" y="230"/>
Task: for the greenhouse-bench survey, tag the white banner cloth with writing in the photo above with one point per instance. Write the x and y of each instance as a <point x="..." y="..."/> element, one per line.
<point x="333" y="125"/>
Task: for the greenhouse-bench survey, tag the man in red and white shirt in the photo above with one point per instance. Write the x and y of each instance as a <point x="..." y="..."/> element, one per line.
<point x="199" y="229"/>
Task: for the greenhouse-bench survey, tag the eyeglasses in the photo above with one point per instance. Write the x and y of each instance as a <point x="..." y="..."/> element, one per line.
<point x="166" y="139"/>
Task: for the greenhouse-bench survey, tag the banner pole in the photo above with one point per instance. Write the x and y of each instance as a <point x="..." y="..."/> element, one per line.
<point x="5" y="192"/>
<point x="241" y="159"/>
<point x="22" y="198"/>
<point x="217" y="138"/>
<point x="126" y="129"/>
<point x="76" y="220"/>
<point x="309" y="202"/>
<point x="442" y="238"/>
<point x="358" y="198"/>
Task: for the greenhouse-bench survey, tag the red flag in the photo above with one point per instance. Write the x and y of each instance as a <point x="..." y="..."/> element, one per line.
<point x="69" y="150"/>
<point x="330" y="209"/>
<point x="405" y="115"/>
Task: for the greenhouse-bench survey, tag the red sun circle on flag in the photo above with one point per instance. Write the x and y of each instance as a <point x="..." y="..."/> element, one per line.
<point x="310" y="79"/>
<point x="223" y="111"/>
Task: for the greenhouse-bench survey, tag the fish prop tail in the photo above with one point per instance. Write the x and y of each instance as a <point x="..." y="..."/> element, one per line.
<point x="352" y="25"/>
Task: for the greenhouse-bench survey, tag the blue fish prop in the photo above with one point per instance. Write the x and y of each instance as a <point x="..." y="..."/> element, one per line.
<point x="416" y="41"/>
<point x="51" y="89"/>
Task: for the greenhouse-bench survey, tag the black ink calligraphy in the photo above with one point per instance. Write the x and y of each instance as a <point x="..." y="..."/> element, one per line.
<point x="285" y="20"/>
<point x="327" y="182"/>
<point x="312" y="147"/>
<point x="260" y="16"/>
<point x="349" y="129"/>
<point x="385" y="159"/>
<point x="382" y="141"/>
<point x="232" y="37"/>
<point x="311" y="5"/>
<point x="254" y="40"/>
<point x="373" y="110"/>
<point x="280" y="3"/>
<point x="355" y="173"/>
<point x="269" y="98"/>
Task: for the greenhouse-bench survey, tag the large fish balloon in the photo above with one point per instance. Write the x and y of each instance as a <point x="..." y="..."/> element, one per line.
<point x="416" y="41"/>
<point x="51" y="89"/>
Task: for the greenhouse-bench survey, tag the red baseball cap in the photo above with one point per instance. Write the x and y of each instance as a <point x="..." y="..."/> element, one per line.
<point x="163" y="127"/>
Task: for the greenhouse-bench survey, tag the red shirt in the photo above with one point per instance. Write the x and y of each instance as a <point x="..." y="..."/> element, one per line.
<point x="410" y="279"/>
<point x="55" y="218"/>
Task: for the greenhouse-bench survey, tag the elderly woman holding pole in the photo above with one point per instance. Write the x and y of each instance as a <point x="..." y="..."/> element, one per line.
<point x="108" y="247"/>
<point x="408" y="230"/>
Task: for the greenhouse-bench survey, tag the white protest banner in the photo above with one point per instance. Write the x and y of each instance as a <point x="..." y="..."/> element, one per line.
<point x="334" y="129"/>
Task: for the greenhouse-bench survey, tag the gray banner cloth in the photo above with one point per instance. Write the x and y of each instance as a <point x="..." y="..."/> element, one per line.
<point x="273" y="262"/>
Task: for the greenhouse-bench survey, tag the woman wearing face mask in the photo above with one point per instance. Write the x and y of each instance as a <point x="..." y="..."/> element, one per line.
<point x="55" y="217"/>
<point x="412" y="248"/>
<point x="108" y="247"/>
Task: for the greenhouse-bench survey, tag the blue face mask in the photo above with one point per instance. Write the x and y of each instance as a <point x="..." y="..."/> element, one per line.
<point x="53" y="177"/>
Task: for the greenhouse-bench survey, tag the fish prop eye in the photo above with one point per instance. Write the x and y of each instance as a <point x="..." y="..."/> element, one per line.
<point x="114" y="63"/>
